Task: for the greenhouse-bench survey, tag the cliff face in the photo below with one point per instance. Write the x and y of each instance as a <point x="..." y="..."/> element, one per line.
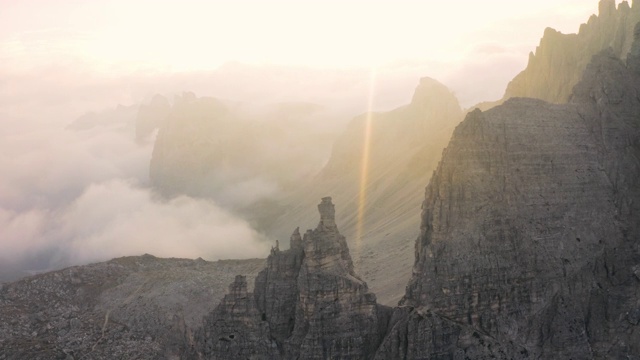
<point x="307" y="302"/>
<point x="560" y="59"/>
<point x="529" y="236"/>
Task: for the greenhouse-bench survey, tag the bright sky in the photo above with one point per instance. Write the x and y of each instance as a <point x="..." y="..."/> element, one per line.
<point x="191" y="35"/>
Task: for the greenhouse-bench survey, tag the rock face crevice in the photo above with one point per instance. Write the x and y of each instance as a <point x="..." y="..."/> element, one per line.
<point x="308" y="302"/>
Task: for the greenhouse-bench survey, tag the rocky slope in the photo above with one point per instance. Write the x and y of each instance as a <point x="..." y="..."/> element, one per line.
<point x="307" y="303"/>
<point x="560" y="59"/>
<point x="132" y="307"/>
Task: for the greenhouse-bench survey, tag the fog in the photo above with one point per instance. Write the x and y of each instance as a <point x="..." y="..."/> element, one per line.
<point x="78" y="196"/>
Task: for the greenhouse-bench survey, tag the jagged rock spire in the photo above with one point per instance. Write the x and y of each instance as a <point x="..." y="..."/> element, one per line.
<point x="295" y="241"/>
<point x="327" y="212"/>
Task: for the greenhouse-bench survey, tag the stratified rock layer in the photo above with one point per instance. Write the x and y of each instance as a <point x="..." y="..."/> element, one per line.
<point x="529" y="236"/>
<point x="308" y="303"/>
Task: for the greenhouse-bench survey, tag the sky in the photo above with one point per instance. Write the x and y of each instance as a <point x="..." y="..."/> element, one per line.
<point x="48" y="48"/>
<point x="76" y="196"/>
<point x="193" y="35"/>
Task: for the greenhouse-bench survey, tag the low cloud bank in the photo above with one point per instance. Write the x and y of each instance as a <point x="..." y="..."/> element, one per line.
<point x="73" y="197"/>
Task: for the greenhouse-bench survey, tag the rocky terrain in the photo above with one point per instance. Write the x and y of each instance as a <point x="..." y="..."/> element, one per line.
<point x="529" y="236"/>
<point x="127" y="308"/>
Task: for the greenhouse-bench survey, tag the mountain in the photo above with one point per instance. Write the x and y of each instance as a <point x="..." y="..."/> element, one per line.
<point x="528" y="248"/>
<point x="307" y="303"/>
<point x="404" y="146"/>
<point x="529" y="236"/>
<point x="560" y="59"/>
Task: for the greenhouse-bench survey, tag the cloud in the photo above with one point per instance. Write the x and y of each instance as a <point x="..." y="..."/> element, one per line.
<point x="73" y="197"/>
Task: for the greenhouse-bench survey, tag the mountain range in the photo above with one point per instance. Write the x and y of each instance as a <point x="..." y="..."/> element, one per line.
<point x="527" y="237"/>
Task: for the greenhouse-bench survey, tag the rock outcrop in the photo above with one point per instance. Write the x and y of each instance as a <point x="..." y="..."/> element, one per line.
<point x="529" y="236"/>
<point x="560" y="59"/>
<point x="307" y="303"/>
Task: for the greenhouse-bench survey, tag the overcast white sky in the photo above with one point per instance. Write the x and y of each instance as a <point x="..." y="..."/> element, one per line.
<point x="191" y="35"/>
<point x="87" y="49"/>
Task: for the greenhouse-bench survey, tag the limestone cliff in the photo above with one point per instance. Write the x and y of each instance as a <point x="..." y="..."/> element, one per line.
<point x="307" y="303"/>
<point x="560" y="59"/>
<point x="529" y="236"/>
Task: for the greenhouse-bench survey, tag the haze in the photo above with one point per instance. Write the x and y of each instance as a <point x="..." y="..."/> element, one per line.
<point x="70" y="196"/>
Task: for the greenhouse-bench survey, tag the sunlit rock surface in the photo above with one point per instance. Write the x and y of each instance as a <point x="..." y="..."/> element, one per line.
<point x="560" y="59"/>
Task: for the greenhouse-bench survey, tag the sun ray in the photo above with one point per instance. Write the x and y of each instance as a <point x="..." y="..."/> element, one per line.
<point x="364" y="165"/>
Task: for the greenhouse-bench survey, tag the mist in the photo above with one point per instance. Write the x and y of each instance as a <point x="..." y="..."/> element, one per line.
<point x="71" y="197"/>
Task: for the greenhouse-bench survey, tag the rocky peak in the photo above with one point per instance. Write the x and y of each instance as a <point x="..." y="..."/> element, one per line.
<point x="531" y="207"/>
<point x="560" y="59"/>
<point x="305" y="304"/>
<point x="327" y="213"/>
<point x="606" y="8"/>
<point x="325" y="248"/>
<point x="433" y="100"/>
<point x="295" y="242"/>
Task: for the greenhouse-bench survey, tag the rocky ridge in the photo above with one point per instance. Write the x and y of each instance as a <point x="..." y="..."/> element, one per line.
<point x="528" y="247"/>
<point x="308" y="302"/>
<point x="529" y="236"/>
<point x="559" y="60"/>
